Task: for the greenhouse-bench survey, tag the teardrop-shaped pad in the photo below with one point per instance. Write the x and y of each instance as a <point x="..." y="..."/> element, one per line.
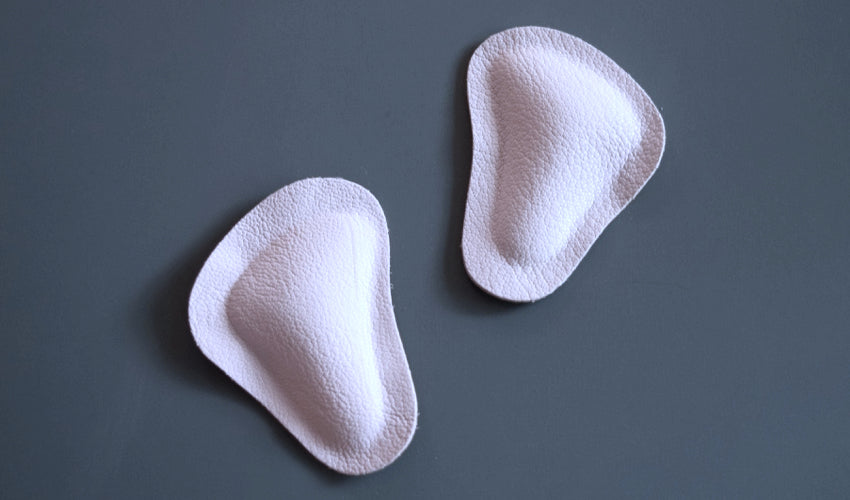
<point x="294" y="305"/>
<point x="563" y="139"/>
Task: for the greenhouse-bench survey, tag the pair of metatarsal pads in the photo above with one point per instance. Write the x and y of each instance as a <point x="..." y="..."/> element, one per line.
<point x="294" y="303"/>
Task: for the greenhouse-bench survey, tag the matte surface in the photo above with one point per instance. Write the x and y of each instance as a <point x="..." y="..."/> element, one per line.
<point x="701" y="349"/>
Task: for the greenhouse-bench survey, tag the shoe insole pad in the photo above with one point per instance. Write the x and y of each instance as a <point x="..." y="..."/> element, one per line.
<point x="563" y="140"/>
<point x="294" y="305"/>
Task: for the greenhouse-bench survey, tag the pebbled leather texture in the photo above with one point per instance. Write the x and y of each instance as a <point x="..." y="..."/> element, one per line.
<point x="294" y="305"/>
<point x="563" y="140"/>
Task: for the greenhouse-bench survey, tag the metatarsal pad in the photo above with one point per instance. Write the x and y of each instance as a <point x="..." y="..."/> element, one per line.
<point x="563" y="140"/>
<point x="294" y="305"/>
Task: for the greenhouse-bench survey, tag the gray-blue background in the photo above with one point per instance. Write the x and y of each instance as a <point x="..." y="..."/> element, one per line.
<point x="702" y="349"/>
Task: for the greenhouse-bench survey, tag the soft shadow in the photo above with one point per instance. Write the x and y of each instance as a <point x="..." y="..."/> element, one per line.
<point x="166" y="308"/>
<point x="462" y="291"/>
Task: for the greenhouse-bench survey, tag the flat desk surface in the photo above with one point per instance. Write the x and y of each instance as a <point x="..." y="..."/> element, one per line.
<point x="701" y="349"/>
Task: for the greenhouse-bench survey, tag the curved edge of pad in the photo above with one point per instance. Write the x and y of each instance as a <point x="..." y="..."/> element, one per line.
<point x="288" y="209"/>
<point x="488" y="264"/>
